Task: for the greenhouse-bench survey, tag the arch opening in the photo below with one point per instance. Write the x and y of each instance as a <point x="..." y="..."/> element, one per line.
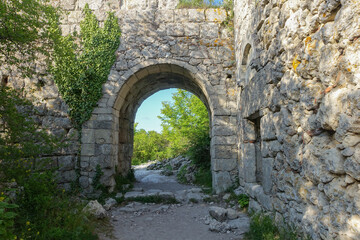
<point x="139" y="87"/>
<point x="184" y="134"/>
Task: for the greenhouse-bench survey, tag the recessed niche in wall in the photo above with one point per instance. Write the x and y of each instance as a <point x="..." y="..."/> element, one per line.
<point x="4" y="80"/>
<point x="258" y="155"/>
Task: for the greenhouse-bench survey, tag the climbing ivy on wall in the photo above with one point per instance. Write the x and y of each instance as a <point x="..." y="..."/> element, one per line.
<point x="82" y="63"/>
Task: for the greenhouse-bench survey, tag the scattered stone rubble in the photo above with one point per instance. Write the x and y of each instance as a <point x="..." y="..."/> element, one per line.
<point x="173" y="165"/>
<point x="227" y="219"/>
<point x="283" y="94"/>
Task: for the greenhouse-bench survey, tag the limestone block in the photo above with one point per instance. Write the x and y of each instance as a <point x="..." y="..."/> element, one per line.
<point x="351" y="140"/>
<point x="254" y="206"/>
<point x="87" y="149"/>
<point x="267" y="169"/>
<point x="248" y="130"/>
<point x="84" y="181"/>
<point x="224" y="140"/>
<point x="225" y="130"/>
<point x="330" y="109"/>
<point x="352" y="165"/>
<point x="271" y="148"/>
<point x="196" y="15"/>
<point x="181" y="15"/>
<point x="267" y="127"/>
<point x="103" y="136"/>
<point x="209" y="31"/>
<point x="199" y="54"/>
<point x="334" y="161"/>
<point x="66" y="163"/>
<point x="93" y="4"/>
<point x="192" y="29"/>
<point x="68" y="176"/>
<point x="164" y="16"/>
<point x="218" y="213"/>
<point x="224" y="164"/>
<point x="94" y="208"/>
<point x="62" y="123"/>
<point x="88" y="136"/>
<point x="74" y="16"/>
<point x="121" y="65"/>
<point x="215" y="15"/>
<point x="68" y="4"/>
<point x="224" y="152"/>
<point x="221" y="181"/>
<point x="249" y="159"/>
<point x="179" y="50"/>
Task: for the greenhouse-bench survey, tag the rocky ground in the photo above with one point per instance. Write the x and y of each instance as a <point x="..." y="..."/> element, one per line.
<point x="194" y="214"/>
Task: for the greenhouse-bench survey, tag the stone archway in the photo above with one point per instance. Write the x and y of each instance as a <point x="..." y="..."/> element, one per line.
<point x="144" y="83"/>
<point x="107" y="137"/>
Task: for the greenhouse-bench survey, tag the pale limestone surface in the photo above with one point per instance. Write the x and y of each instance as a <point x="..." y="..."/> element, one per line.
<point x="299" y="84"/>
<point x="283" y="98"/>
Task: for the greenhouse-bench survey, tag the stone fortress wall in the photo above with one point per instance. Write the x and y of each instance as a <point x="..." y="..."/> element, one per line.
<point x="282" y="93"/>
<point x="298" y="77"/>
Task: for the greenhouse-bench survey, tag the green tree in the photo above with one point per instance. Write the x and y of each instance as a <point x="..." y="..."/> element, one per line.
<point x="185" y="124"/>
<point x="148" y="146"/>
<point x="25" y="32"/>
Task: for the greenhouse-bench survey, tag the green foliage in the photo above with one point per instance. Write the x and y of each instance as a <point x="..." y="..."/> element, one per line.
<point x="185" y="122"/>
<point x="120" y="180"/>
<point x="79" y="70"/>
<point x="185" y="130"/>
<point x="96" y="181"/>
<point x="148" y="146"/>
<point x="181" y="174"/>
<point x="243" y="200"/>
<point x="25" y="33"/>
<point x="262" y="227"/>
<point x="7" y="217"/>
<point x="228" y="5"/>
<point x="203" y="177"/>
<point x="23" y="146"/>
<point x="44" y="211"/>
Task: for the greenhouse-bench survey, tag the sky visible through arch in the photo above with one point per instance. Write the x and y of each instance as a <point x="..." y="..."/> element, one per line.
<point x="146" y="116"/>
<point x="148" y="111"/>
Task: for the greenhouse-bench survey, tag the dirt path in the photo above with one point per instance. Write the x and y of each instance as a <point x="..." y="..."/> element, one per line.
<point x="183" y="221"/>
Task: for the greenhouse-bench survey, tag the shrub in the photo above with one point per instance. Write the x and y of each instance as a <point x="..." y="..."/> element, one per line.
<point x="7" y="216"/>
<point x="243" y="200"/>
<point x="263" y="227"/>
<point x="44" y="211"/>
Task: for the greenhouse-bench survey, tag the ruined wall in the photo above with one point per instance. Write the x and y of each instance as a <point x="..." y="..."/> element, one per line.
<point x="161" y="47"/>
<point x="298" y="76"/>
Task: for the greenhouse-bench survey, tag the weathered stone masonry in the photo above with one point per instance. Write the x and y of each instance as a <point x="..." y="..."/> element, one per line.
<point x="161" y="47"/>
<point x="298" y="78"/>
<point x="283" y="99"/>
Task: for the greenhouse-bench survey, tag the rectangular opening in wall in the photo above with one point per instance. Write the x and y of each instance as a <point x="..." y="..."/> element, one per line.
<point x="257" y="143"/>
<point x="4" y="80"/>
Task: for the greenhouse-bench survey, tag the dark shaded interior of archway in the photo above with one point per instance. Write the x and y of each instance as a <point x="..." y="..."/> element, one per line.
<point x="141" y="90"/>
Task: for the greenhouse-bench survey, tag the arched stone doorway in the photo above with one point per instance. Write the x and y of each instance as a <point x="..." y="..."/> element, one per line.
<point x="107" y="138"/>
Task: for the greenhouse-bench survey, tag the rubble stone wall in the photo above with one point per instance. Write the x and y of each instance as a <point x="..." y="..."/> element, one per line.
<point x="283" y="99"/>
<point x="161" y="47"/>
<point x="298" y="77"/>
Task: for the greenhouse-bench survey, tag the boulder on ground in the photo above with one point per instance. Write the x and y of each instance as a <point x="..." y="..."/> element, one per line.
<point x="109" y="203"/>
<point x="95" y="209"/>
<point x="218" y="213"/>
